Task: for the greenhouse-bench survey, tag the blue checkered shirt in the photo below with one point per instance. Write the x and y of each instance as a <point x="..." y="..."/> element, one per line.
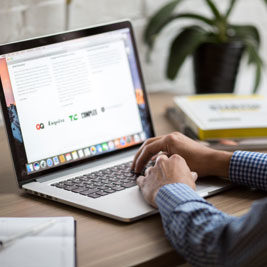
<point x="206" y="236"/>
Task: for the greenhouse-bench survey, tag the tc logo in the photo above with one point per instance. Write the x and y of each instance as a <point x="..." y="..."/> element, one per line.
<point x="39" y="126"/>
<point x="73" y="117"/>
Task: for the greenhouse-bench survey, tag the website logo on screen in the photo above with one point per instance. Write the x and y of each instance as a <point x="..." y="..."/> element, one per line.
<point x="39" y="126"/>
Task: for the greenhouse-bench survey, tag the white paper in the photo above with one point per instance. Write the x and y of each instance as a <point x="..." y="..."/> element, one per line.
<point x="54" y="246"/>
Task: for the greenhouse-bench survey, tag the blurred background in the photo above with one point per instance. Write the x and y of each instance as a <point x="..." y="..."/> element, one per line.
<point x="20" y="19"/>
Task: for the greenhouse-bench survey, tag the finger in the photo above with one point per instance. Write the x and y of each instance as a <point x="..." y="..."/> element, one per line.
<point x="160" y="153"/>
<point x="147" y="171"/>
<point x="160" y="159"/>
<point x="147" y="153"/>
<point x="148" y="141"/>
<point x="194" y="176"/>
<point x="160" y="163"/>
<point x="140" y="181"/>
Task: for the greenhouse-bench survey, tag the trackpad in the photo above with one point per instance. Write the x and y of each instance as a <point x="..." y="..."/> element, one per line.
<point x="211" y="184"/>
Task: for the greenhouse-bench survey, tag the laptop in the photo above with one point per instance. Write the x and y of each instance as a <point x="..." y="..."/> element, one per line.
<point x="76" y="112"/>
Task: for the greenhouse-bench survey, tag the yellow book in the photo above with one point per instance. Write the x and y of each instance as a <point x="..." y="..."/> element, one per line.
<point x="224" y="115"/>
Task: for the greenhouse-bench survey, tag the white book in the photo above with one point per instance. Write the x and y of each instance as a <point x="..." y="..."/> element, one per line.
<point x="38" y="242"/>
<point x="222" y="144"/>
<point x="224" y="115"/>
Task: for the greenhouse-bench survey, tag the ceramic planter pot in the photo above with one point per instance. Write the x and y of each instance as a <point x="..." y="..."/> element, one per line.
<point x="216" y="67"/>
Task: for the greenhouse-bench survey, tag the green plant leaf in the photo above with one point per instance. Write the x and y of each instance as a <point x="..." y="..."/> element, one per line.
<point x="208" y="21"/>
<point x="230" y="8"/>
<point x="158" y="21"/>
<point x="255" y="59"/>
<point x="248" y="33"/>
<point x="214" y="10"/>
<point x="183" y="46"/>
<point x="194" y="16"/>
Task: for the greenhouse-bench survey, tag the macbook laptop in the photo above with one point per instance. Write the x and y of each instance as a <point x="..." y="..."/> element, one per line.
<point x="76" y="112"/>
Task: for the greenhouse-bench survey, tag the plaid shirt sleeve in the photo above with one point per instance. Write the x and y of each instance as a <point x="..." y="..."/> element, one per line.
<point x="249" y="168"/>
<point x="206" y="236"/>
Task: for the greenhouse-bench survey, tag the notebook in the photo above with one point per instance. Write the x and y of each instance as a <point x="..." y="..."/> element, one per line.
<point x="76" y="113"/>
<point x="52" y="245"/>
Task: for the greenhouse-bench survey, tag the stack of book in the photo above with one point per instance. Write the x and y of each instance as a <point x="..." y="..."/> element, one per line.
<point x="222" y="120"/>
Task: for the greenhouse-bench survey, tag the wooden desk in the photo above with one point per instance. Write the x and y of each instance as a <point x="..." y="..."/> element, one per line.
<point x="105" y="242"/>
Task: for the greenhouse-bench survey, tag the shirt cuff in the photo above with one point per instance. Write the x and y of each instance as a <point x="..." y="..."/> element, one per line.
<point x="172" y="195"/>
<point x="249" y="168"/>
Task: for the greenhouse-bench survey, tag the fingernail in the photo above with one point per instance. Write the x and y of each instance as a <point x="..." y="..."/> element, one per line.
<point x="194" y="175"/>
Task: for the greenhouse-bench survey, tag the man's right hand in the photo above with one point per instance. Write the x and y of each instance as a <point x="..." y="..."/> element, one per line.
<point x="201" y="159"/>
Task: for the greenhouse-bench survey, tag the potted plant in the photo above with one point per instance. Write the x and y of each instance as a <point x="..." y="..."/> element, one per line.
<point x="216" y="46"/>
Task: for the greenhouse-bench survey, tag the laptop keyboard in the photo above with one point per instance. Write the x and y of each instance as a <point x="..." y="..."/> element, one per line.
<point x="102" y="182"/>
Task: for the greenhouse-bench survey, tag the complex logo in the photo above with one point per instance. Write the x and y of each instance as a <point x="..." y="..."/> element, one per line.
<point x="89" y="113"/>
<point x="39" y="126"/>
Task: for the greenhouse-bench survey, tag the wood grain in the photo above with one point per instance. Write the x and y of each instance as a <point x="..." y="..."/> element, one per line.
<point x="105" y="242"/>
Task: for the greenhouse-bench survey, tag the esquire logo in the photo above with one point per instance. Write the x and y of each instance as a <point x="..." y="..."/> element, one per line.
<point x="55" y="123"/>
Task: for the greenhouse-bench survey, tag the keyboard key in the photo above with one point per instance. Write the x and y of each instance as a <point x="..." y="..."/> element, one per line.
<point x="90" y="186"/>
<point x="84" y="179"/>
<point x="102" y="193"/>
<point x="130" y="184"/>
<point x="109" y="190"/>
<point x="82" y="184"/>
<point x="107" y="171"/>
<point x="118" y="182"/>
<point x="76" y="181"/>
<point x="129" y="174"/>
<point x="89" y="191"/>
<point x="117" y="188"/>
<point x="104" y="181"/>
<point x="68" y="182"/>
<point x="94" y="195"/>
<point x="79" y="189"/>
<point x="92" y="175"/>
<point x="69" y="187"/>
<point x="59" y="185"/>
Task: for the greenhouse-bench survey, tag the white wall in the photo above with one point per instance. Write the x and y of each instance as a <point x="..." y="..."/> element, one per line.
<point x="21" y="19"/>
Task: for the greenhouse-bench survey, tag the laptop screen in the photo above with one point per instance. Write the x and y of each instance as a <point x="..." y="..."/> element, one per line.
<point x="74" y="100"/>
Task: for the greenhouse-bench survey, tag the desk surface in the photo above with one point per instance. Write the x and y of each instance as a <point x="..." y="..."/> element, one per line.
<point x="105" y="242"/>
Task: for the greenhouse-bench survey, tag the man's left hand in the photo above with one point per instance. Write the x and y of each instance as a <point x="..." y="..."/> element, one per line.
<point x="165" y="171"/>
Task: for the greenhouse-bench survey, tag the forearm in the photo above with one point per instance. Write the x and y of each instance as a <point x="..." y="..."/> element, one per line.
<point x="192" y="225"/>
<point x="206" y="236"/>
<point x="218" y="163"/>
<point x="241" y="167"/>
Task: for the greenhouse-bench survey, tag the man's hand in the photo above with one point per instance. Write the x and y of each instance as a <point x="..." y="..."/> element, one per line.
<point x="201" y="159"/>
<point x="165" y="171"/>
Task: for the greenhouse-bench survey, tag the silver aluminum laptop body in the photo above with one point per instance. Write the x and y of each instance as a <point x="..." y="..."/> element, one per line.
<point x="63" y="120"/>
